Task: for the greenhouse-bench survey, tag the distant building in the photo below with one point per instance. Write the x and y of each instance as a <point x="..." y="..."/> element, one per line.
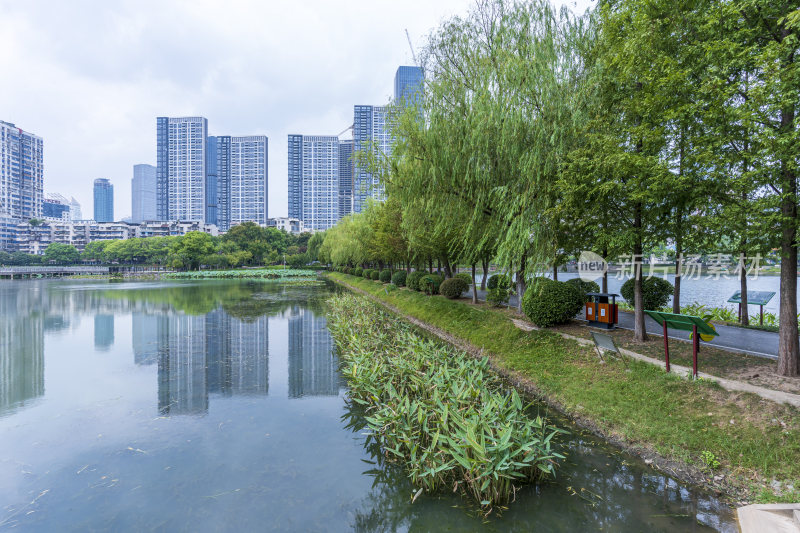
<point x="53" y="209"/>
<point x="248" y="180"/>
<point x="289" y="225"/>
<point x="407" y="85"/>
<point x="21" y="179"/>
<point x="314" y="172"/>
<point x="345" y="178"/>
<point x="171" y="228"/>
<point x="371" y="131"/>
<point x="75" y="210"/>
<point x="181" y="168"/>
<point x="103" y="200"/>
<point x="218" y="181"/>
<point x="143" y="193"/>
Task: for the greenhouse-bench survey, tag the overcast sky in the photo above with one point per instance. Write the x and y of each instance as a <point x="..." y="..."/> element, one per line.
<point x="91" y="77"/>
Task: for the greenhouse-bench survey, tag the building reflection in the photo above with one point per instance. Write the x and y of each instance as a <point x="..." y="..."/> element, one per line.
<point x="103" y="332"/>
<point x="203" y="355"/>
<point x="21" y="347"/>
<point x="313" y="364"/>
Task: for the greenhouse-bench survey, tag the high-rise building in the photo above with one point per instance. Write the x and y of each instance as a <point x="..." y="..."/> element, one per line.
<point x="218" y="182"/>
<point x="248" y="182"/>
<point x="143" y="193"/>
<point x="54" y="208"/>
<point x="181" y="168"/>
<point x="407" y="84"/>
<point x="103" y="200"/>
<point x="314" y="172"/>
<point x="21" y="179"/>
<point x="75" y="210"/>
<point x="345" y="178"/>
<point x="371" y="131"/>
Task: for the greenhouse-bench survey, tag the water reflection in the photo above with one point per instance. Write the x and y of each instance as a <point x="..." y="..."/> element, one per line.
<point x="103" y="332"/>
<point x="313" y="365"/>
<point x="22" y="328"/>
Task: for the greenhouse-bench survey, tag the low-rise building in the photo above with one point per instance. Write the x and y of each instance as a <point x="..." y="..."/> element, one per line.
<point x="294" y="226"/>
<point x="157" y="228"/>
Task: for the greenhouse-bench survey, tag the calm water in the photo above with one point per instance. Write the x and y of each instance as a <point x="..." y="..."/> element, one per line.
<point x="217" y="406"/>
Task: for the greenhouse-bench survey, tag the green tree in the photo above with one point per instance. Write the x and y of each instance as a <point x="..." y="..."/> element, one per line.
<point x="61" y="254"/>
<point x="191" y="248"/>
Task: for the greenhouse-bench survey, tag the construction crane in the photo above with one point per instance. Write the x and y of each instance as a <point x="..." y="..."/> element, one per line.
<point x="350" y="127"/>
<point x="413" y="55"/>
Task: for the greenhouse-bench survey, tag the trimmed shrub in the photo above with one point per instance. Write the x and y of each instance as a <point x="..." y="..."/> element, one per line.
<point x="348" y="270"/>
<point x="548" y="302"/>
<point x="367" y="273"/>
<point x="358" y="271"/>
<point x="429" y="284"/>
<point x="498" y="295"/>
<point x="412" y="281"/>
<point x="374" y="275"/>
<point x="385" y="276"/>
<point x="493" y="281"/>
<point x="466" y="277"/>
<point x="655" y="292"/>
<point x="453" y="288"/>
<point x="584" y="286"/>
<point x="399" y="278"/>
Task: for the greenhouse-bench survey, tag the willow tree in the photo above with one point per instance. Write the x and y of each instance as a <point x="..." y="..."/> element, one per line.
<point x="496" y="117"/>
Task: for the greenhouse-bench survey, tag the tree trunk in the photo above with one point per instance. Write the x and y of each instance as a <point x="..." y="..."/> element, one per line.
<point x="605" y="274"/>
<point x="521" y="282"/>
<point x="745" y="315"/>
<point x="448" y="271"/>
<point x="430" y="265"/>
<point x="639" y="331"/>
<point x="485" y="265"/>
<point x="555" y="271"/>
<point x="474" y="286"/>
<point x="676" y="294"/>
<point x="438" y="265"/>
<point x="788" y="349"/>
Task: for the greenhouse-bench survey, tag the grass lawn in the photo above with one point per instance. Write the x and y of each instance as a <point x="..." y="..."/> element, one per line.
<point x="739" y="441"/>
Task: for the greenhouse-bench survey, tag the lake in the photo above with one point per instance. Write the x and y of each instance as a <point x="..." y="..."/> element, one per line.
<point x="218" y="406"/>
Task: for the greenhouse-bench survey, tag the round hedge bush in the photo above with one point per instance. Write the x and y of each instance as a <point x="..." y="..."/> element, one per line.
<point x="493" y="280"/>
<point x="367" y="273"/>
<point x="655" y="292"/>
<point x="548" y="302"/>
<point x="429" y="284"/>
<point x="412" y="281"/>
<point x="584" y="286"/>
<point x="375" y="275"/>
<point x="358" y="271"/>
<point x="399" y="278"/>
<point x="385" y="276"/>
<point x="453" y="288"/>
<point x="466" y="277"/>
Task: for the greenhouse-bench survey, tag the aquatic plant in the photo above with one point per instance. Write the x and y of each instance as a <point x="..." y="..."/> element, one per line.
<point x="439" y="412"/>
<point x="263" y="273"/>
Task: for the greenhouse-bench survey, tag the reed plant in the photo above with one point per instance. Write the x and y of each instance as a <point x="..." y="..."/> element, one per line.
<point x="441" y="413"/>
<point x="250" y="273"/>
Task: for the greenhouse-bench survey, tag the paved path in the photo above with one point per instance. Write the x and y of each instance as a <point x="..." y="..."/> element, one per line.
<point x="741" y="340"/>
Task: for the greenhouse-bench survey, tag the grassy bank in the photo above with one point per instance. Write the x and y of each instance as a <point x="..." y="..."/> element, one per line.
<point x="738" y="442"/>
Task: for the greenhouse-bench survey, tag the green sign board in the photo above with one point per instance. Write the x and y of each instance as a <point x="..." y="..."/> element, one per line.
<point x="753" y="297"/>
<point x="682" y="322"/>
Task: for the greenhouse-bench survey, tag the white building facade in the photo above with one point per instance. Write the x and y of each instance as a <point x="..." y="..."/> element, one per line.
<point x="181" y="168"/>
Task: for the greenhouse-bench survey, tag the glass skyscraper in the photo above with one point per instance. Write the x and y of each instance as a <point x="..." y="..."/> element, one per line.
<point x="371" y="131"/>
<point x="407" y="84"/>
<point x="181" y="168"/>
<point x="103" y="200"/>
<point x="218" y="182"/>
<point x="143" y="193"/>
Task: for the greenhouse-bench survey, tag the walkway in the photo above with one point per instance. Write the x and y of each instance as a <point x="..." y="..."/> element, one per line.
<point x="731" y="338"/>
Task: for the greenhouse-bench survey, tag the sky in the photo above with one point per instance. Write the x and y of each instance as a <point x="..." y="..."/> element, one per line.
<point x="90" y="77"/>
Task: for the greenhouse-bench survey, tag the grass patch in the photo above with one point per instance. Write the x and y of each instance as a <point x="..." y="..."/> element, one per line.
<point x="244" y="273"/>
<point x="754" y="440"/>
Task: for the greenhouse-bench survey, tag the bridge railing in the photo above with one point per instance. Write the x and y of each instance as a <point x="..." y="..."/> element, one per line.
<point x="52" y="269"/>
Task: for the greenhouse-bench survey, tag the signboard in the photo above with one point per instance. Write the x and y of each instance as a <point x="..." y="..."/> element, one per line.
<point x="753" y="297"/>
<point x="683" y="322"/>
